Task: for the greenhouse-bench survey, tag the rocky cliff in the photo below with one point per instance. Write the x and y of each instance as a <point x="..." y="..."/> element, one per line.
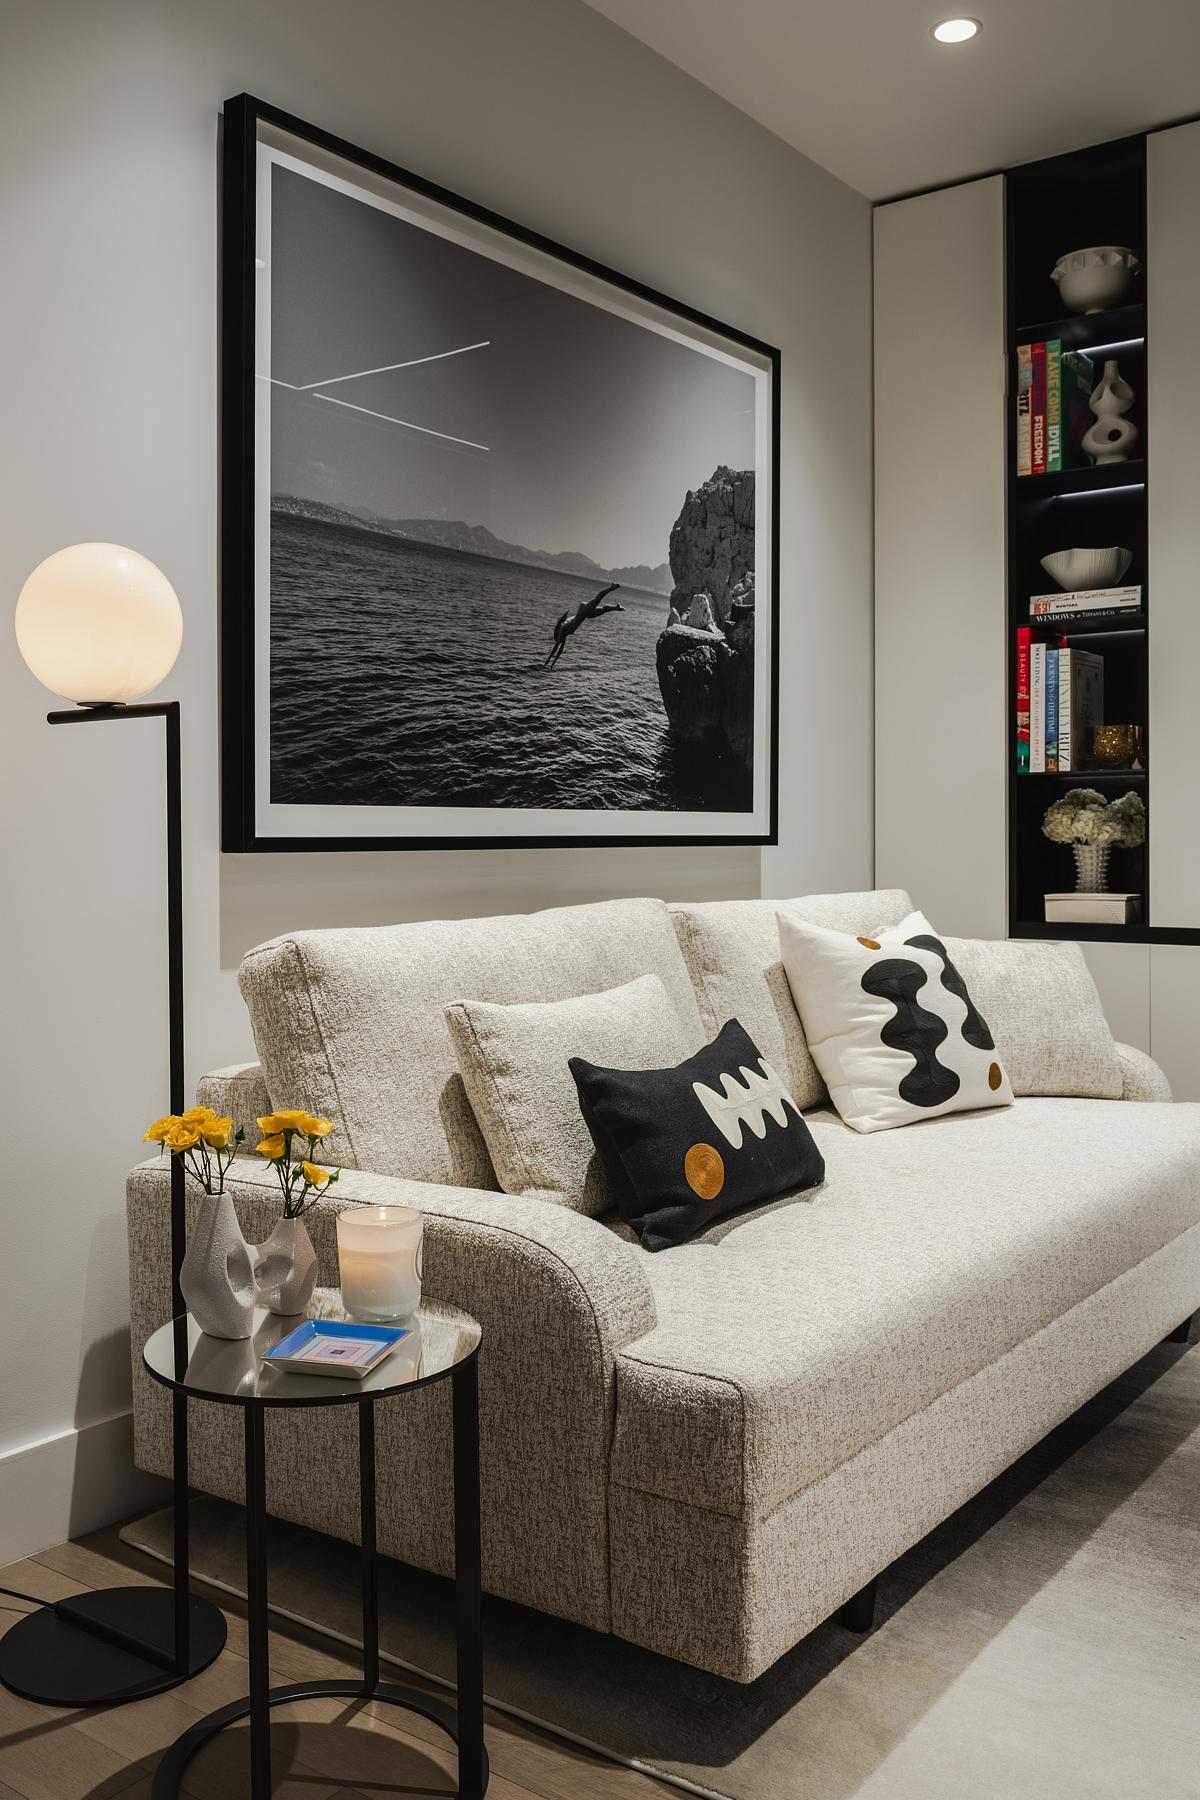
<point x="712" y="540"/>
<point x="705" y="656"/>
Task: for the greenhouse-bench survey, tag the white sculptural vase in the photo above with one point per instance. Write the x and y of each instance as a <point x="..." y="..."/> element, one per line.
<point x="286" y="1271"/>
<point x="1091" y="868"/>
<point x="217" y="1277"/>
<point x="1112" y="438"/>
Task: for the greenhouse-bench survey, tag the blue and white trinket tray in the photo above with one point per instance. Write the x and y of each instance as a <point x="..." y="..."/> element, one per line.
<point x="339" y="1347"/>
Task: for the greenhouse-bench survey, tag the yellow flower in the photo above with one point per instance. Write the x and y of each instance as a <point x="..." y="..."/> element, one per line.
<point x="293" y="1120"/>
<point x="315" y="1175"/>
<point x="272" y="1146"/>
<point x="157" y="1133"/>
<point x="316" y="1127"/>
<point x="197" y="1115"/>
<point x="182" y="1137"/>
<point x="217" y="1132"/>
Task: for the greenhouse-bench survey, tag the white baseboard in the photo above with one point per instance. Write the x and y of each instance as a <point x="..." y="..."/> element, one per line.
<point x="73" y="1482"/>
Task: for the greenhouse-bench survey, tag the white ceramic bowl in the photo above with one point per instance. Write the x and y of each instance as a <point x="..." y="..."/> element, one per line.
<point x="1080" y="569"/>
<point x="1092" y="280"/>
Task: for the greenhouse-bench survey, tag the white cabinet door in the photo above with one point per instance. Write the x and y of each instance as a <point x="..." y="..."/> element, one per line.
<point x="1122" y="973"/>
<point x="1173" y="411"/>
<point x="1175" y="1016"/>
<point x="940" y="663"/>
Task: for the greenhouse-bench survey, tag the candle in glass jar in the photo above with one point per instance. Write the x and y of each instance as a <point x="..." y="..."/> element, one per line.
<point x="379" y="1257"/>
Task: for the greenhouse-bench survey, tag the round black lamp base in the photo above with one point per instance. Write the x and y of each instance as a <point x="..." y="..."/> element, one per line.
<point x="85" y="1651"/>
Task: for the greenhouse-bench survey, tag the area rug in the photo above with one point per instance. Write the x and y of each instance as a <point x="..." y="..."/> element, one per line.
<point x="1044" y="1641"/>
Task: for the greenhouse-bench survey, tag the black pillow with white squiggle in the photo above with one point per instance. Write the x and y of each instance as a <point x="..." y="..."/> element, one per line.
<point x="889" y="1023"/>
<point x="682" y="1147"/>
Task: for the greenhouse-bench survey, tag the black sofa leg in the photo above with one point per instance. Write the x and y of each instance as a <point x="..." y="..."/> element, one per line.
<point x="858" y="1614"/>
<point x="1182" y="1333"/>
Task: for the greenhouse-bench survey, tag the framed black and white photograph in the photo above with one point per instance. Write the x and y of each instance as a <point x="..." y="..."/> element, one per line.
<point x="499" y="527"/>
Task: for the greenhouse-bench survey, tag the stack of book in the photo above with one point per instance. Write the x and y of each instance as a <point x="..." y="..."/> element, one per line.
<point x="1060" y="701"/>
<point x="1095" y="605"/>
<point x="1054" y="387"/>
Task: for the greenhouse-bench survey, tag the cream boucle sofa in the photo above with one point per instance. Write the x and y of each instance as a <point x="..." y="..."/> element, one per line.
<point x="706" y="1451"/>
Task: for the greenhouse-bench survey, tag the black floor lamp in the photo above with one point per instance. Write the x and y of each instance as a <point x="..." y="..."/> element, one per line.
<point x="100" y="625"/>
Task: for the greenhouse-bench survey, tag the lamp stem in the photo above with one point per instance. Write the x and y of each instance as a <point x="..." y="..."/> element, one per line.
<point x="168" y="711"/>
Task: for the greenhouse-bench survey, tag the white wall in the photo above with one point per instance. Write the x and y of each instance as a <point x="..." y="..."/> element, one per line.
<point x="542" y="110"/>
<point x="940" y="828"/>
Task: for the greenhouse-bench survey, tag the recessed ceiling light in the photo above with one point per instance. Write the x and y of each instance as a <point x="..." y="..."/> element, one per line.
<point x="956" y="31"/>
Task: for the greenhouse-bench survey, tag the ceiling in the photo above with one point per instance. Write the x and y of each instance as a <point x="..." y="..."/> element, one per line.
<point x="860" y="86"/>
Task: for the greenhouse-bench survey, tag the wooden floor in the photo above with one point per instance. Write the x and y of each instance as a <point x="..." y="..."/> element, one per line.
<point x="323" y="1749"/>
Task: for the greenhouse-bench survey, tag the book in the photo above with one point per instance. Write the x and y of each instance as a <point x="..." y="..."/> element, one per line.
<point x="1024" y="641"/>
<point x="1024" y="385"/>
<point x="1037" y="411"/>
<point x="1084" y="602"/>
<point x="1037" y="708"/>
<point x="1093" y="909"/>
<point x="1054" y="445"/>
<point x="1052" y="656"/>
<point x="1076" y="381"/>
<point x="1080" y="705"/>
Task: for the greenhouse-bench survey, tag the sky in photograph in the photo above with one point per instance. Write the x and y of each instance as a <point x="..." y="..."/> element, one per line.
<point x="569" y="429"/>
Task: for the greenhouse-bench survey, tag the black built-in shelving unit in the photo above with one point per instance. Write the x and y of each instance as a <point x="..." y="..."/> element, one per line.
<point x="1095" y="196"/>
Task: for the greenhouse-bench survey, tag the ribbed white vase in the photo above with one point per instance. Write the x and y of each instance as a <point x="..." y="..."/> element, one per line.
<point x="1091" y="868"/>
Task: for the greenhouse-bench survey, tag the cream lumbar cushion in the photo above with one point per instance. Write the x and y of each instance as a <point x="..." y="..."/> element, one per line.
<point x="514" y="1064"/>
<point x="890" y="1024"/>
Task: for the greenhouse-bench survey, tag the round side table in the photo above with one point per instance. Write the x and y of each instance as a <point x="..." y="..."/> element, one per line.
<point x="442" y="1343"/>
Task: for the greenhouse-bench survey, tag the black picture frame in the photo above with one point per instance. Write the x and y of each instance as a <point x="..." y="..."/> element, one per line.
<point x="243" y="118"/>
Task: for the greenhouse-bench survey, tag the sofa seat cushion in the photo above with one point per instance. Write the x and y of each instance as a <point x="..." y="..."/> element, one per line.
<point x="732" y="952"/>
<point x="351" y="1023"/>
<point x="796" y="1336"/>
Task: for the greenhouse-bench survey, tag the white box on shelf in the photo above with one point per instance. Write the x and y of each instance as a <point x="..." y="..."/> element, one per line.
<point x="1093" y="909"/>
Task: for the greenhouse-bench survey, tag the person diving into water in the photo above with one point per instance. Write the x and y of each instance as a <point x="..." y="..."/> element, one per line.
<point x="569" y="622"/>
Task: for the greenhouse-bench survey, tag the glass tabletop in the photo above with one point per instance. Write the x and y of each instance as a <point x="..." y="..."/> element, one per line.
<point x="182" y="1356"/>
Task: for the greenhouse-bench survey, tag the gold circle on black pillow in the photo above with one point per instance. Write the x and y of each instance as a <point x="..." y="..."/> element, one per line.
<point x="868" y="943"/>
<point x="995" y="1076"/>
<point x="704" y="1171"/>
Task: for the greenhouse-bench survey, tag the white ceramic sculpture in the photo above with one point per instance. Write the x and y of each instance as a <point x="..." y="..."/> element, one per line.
<point x="1113" y="437"/>
<point x="1094" y="279"/>
<point x="217" y="1277"/>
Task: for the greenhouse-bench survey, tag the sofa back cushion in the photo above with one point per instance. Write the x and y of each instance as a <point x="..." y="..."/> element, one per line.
<point x="351" y="1023"/>
<point x="731" y="948"/>
<point x="517" y="1063"/>
<point x="1044" y="1010"/>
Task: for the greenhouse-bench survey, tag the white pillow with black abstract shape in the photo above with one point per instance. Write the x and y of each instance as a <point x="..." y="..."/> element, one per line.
<point x="890" y="1023"/>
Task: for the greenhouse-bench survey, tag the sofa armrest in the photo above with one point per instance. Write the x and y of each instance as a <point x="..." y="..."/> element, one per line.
<point x="557" y="1295"/>
<point x="239" y="1091"/>
<point x="1142" y="1079"/>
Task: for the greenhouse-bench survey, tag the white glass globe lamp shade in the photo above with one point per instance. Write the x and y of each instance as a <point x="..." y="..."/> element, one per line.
<point x="99" y="624"/>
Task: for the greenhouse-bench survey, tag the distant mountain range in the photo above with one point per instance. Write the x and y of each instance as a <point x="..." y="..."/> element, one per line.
<point x="476" y="540"/>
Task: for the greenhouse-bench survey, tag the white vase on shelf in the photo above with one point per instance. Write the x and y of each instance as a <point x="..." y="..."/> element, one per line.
<point x="1091" y="868"/>
<point x="1112" y="393"/>
<point x="1112" y="438"/>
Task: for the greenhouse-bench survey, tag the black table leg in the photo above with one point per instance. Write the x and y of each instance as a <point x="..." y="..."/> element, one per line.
<point x="256" y="1606"/>
<point x="468" y="1577"/>
<point x="370" y="1568"/>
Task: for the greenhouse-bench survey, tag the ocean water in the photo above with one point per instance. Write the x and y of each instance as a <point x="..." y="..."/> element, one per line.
<point x="405" y="675"/>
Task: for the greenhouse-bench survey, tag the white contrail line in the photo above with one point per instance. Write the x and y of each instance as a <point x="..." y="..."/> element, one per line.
<point x="407" y="423"/>
<point x="386" y="368"/>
